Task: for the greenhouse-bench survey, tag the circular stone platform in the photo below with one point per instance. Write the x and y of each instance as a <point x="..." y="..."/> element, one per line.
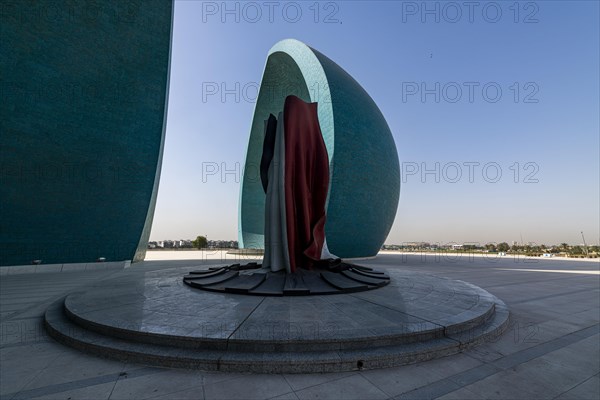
<point x="156" y="319"/>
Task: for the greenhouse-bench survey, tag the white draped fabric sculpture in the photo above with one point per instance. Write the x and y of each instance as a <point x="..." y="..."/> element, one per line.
<point x="276" y="250"/>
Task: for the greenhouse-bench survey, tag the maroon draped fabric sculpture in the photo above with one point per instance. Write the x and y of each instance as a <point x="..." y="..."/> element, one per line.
<point x="306" y="182"/>
<point x="294" y="170"/>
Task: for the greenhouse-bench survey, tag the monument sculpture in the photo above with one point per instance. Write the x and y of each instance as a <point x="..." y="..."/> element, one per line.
<point x="364" y="172"/>
<point x="297" y="186"/>
<point x="320" y="187"/>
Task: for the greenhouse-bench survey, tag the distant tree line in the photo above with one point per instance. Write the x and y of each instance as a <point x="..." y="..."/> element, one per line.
<point x="503" y="247"/>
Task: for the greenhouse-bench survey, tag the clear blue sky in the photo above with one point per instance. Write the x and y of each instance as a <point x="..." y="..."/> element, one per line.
<point x="552" y="122"/>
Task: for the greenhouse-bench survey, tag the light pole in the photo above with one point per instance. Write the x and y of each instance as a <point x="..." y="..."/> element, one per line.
<point x="584" y="245"/>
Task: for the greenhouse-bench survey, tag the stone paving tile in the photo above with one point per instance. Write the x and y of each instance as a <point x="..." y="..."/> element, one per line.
<point x="550" y="378"/>
<point x="460" y="394"/>
<point x="94" y="392"/>
<point x="12" y="307"/>
<point x="583" y="355"/>
<point x="208" y="378"/>
<point x="544" y="348"/>
<point x="478" y="374"/>
<point x="521" y="334"/>
<point x="287" y="396"/>
<point x="398" y="380"/>
<point x="588" y="390"/>
<point x="509" y="385"/>
<point x="301" y="381"/>
<point x="66" y="386"/>
<point x="354" y="387"/>
<point x="560" y="295"/>
<point x="248" y="387"/>
<point x="195" y="393"/>
<point x="432" y="391"/>
<point x="73" y="365"/>
<point x="20" y="332"/>
<point x="162" y="383"/>
<point x="582" y="318"/>
<point x="546" y="376"/>
<point x="21" y="365"/>
<point x="448" y="366"/>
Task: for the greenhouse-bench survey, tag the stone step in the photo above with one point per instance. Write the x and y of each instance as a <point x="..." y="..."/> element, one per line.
<point x="232" y="359"/>
<point x="423" y="332"/>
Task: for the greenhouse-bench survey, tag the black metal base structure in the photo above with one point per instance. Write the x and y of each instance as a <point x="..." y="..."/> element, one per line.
<point x="252" y="279"/>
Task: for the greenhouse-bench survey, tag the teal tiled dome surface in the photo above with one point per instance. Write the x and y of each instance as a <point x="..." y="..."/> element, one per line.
<point x="84" y="98"/>
<point x="365" y="172"/>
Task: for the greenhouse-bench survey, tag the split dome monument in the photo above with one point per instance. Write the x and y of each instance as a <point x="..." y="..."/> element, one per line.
<point x="319" y="150"/>
<point x="363" y="160"/>
<point x="306" y="307"/>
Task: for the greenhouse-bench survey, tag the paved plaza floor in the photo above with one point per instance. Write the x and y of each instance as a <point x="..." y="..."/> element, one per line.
<point x="551" y="349"/>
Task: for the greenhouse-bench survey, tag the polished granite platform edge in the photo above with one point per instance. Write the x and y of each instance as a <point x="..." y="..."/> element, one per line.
<point x="155" y="319"/>
<point x="165" y="313"/>
<point x="63" y="330"/>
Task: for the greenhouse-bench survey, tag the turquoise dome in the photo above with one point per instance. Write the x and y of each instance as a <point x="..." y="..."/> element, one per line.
<point x="363" y="161"/>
